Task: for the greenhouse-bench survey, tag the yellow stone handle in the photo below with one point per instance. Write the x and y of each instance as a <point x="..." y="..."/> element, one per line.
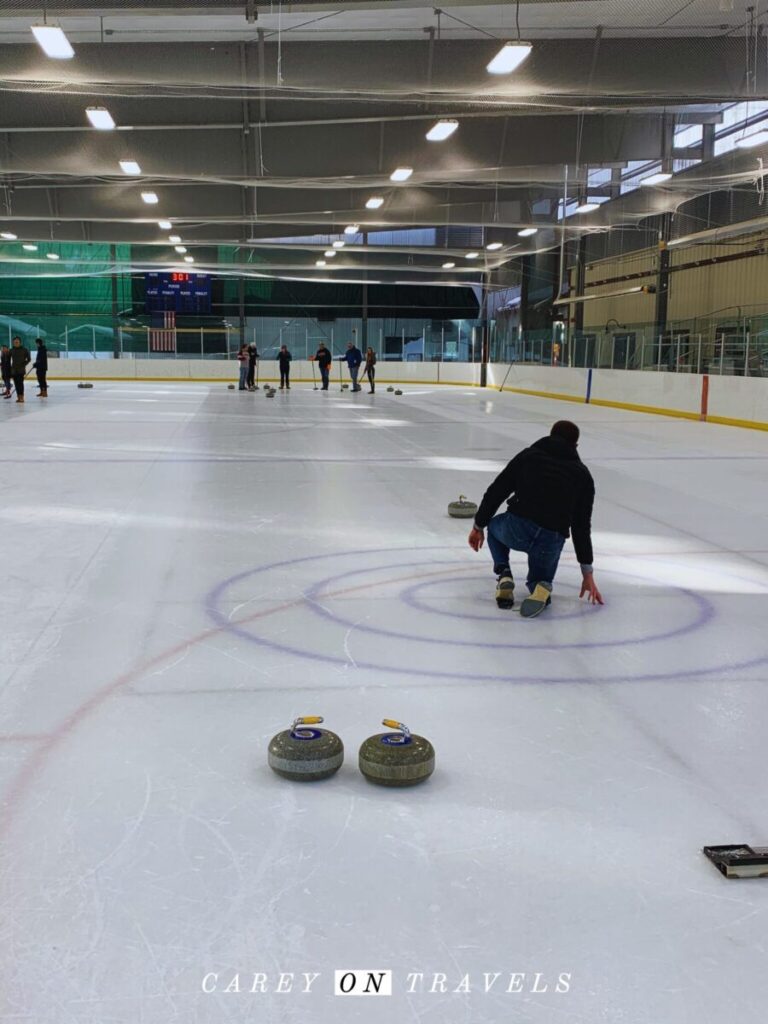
<point x="391" y="723"/>
<point x="309" y="720"/>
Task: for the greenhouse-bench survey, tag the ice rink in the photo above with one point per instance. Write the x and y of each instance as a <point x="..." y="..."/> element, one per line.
<point x="186" y="569"/>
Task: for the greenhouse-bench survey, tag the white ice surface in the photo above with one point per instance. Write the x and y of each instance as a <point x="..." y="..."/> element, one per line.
<point x="186" y="569"/>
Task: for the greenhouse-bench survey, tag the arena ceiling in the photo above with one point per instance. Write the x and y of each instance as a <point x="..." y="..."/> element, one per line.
<point x="257" y="122"/>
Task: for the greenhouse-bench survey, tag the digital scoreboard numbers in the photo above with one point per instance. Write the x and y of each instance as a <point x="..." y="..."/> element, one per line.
<point x="178" y="292"/>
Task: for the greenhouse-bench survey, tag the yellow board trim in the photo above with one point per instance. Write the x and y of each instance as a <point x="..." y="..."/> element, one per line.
<point x="544" y="394"/>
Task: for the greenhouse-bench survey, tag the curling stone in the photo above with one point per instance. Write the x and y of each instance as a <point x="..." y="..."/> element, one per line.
<point x="306" y="754"/>
<point x="390" y="388"/>
<point x="397" y="758"/>
<point x="231" y="387"/>
<point x="271" y="394"/>
<point x="345" y="387"/>
<point x="462" y="509"/>
<point x="398" y="392"/>
<point x="81" y="385"/>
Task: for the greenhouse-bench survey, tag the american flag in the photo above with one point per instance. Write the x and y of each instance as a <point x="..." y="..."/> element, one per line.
<point x="163" y="339"/>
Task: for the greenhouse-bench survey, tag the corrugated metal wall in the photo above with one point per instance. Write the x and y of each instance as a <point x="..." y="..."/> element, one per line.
<point x="627" y="309"/>
<point x="740" y="284"/>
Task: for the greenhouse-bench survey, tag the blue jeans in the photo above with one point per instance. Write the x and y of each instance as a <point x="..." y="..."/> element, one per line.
<point x="542" y="546"/>
<point x="243" y="376"/>
<point x="353" y="372"/>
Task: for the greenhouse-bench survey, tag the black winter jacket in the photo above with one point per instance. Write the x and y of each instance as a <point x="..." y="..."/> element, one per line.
<point x="19" y="359"/>
<point x="41" y="359"/>
<point x="550" y="485"/>
<point x="284" y="359"/>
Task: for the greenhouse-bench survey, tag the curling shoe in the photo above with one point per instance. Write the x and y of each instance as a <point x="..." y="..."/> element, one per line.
<point x="505" y="592"/>
<point x="537" y="602"/>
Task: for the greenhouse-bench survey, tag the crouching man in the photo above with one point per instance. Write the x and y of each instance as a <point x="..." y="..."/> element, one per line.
<point x="550" y="494"/>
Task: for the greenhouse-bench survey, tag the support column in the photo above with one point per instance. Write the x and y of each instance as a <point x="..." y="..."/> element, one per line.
<point x="115" y="311"/>
<point x="364" y="318"/>
<point x="662" y="278"/>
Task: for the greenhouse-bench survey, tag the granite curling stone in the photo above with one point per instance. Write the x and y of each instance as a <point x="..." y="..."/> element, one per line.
<point x="304" y="753"/>
<point x="398" y="392"/>
<point x="462" y="509"/>
<point x="397" y="758"/>
<point x="390" y="388"/>
<point x="231" y="387"/>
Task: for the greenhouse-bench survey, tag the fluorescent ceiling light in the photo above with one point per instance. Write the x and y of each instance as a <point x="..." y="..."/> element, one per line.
<point x="8" y="236"/>
<point x="656" y="179"/>
<point x="442" y="130"/>
<point x="320" y="263"/>
<point x="471" y="255"/>
<point x="180" y="248"/>
<point x="339" y="244"/>
<point x="189" y="259"/>
<point x="53" y="42"/>
<point x="374" y="202"/>
<point x="401" y="174"/>
<point x="129" y="167"/>
<point x="587" y="207"/>
<point x="52" y="256"/>
<point x="165" y="225"/>
<point x="509" y="58"/>
<point x="150" y="198"/>
<point x="351" y="229"/>
<point x="174" y="239"/>
<point x="330" y="253"/>
<point x="527" y="232"/>
<point x="100" y="118"/>
<point x="448" y="266"/>
<point x="29" y="247"/>
<point x="756" y="139"/>
<point x="494" y="245"/>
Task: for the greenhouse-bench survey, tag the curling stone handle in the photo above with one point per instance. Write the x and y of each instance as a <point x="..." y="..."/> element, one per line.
<point x="306" y="720"/>
<point x="392" y="724"/>
<point x="462" y="497"/>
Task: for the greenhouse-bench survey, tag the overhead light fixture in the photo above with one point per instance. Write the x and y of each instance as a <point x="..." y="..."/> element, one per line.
<point x="509" y="58"/>
<point x="129" y="167"/>
<point x="52" y="256"/>
<point x="189" y="259"/>
<point x="8" y="236"/>
<point x="657" y="179"/>
<point x="29" y="247"/>
<point x="150" y="198"/>
<point x="319" y="263"/>
<point x="100" y="118"/>
<point x="401" y="174"/>
<point x="374" y="203"/>
<point x="494" y="245"/>
<point x="53" y="42"/>
<point x="165" y="225"/>
<point x="587" y="207"/>
<point x="330" y="253"/>
<point x="443" y="130"/>
<point x="527" y="232"/>
<point x="756" y="139"/>
<point x="339" y="244"/>
<point x="351" y="229"/>
<point x="174" y="239"/>
<point x="471" y="255"/>
<point x="180" y="248"/>
<point x="448" y="266"/>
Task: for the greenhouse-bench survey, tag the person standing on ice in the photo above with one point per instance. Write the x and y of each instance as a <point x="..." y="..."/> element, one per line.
<point x="354" y="358"/>
<point x="20" y="357"/>
<point x="5" y="370"/>
<point x="284" y="359"/>
<point x="41" y="368"/>
<point x="550" y="494"/>
<point x="324" y="360"/>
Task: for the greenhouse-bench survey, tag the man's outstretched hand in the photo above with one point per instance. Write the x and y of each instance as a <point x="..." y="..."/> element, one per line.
<point x="476" y="538"/>
<point x="589" y="587"/>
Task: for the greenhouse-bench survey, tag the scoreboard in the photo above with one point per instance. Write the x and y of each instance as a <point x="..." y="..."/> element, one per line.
<point x="177" y="292"/>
